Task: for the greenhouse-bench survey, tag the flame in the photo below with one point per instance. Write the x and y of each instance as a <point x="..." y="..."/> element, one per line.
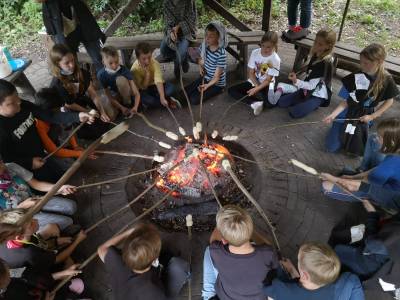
<point x="210" y="155"/>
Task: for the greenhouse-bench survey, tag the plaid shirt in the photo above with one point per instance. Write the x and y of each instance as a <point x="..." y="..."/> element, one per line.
<point x="182" y="13"/>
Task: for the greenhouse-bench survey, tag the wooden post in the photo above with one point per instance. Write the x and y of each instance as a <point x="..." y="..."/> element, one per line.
<point x="266" y="15"/>
<point x="346" y="9"/>
<point x="121" y="16"/>
<point x="227" y="15"/>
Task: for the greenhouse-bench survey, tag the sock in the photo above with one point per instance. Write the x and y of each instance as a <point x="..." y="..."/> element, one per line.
<point x="277" y="95"/>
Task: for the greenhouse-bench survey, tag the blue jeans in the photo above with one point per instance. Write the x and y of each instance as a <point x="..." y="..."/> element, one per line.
<point x="151" y="98"/>
<point x="298" y="106"/>
<point x="57" y="211"/>
<point x="169" y="53"/>
<point x="372" y="155"/>
<point x="305" y="12"/>
<point x="378" y="195"/>
<point x="358" y="263"/>
<point x="333" y="141"/>
<point x="210" y="274"/>
<point x="194" y="94"/>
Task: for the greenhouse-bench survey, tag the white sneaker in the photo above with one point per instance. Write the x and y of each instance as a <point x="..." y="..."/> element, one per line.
<point x="257" y="107"/>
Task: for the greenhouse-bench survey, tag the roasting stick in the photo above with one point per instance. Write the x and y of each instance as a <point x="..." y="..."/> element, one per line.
<point x="227" y="166"/>
<point x="211" y="184"/>
<point x="162" y="144"/>
<point x="169" y="134"/>
<point x="178" y="55"/>
<point x="93" y="113"/>
<point x="180" y="128"/>
<point x="315" y="173"/>
<point x="189" y="224"/>
<point x="231" y="105"/>
<point x="94" y="255"/>
<point x="115" y="179"/>
<point x="104" y="139"/>
<point x="306" y="123"/>
<point x="199" y="127"/>
<point x="156" y="158"/>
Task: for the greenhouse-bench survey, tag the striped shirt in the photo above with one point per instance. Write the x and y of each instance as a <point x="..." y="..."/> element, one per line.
<point x="213" y="60"/>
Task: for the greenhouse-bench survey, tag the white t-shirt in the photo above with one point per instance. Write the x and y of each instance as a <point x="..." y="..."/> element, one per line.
<point x="264" y="65"/>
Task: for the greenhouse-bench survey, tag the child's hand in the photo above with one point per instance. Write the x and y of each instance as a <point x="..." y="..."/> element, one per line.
<point x="85" y="117"/>
<point x="66" y="189"/>
<point x="351" y="185"/>
<point x="328" y="119"/>
<point x="71" y="271"/>
<point x="203" y="87"/>
<point x="368" y="206"/>
<point x="37" y="163"/>
<point x="329" y="177"/>
<point x="80" y="236"/>
<point x="105" y="118"/>
<point x="26" y="204"/>
<point x="201" y="70"/>
<point x="252" y="91"/>
<point x="164" y="102"/>
<point x="293" y="77"/>
<point x="173" y="35"/>
<point x="366" y="118"/>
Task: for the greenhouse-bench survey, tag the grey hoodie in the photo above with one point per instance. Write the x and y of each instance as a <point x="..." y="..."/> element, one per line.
<point x="223" y="38"/>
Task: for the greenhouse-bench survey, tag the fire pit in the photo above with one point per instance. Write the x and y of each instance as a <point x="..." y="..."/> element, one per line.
<point x="198" y="169"/>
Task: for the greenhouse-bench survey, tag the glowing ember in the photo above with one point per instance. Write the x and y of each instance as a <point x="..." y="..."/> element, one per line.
<point x="189" y="178"/>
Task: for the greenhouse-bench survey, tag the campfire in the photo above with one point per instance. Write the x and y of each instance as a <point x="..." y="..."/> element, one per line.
<point x="199" y="164"/>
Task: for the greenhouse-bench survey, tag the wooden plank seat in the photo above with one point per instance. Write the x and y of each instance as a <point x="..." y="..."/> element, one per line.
<point x="239" y="39"/>
<point x="348" y="57"/>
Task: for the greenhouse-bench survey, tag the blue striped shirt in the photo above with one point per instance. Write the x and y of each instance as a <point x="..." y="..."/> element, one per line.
<point x="213" y="60"/>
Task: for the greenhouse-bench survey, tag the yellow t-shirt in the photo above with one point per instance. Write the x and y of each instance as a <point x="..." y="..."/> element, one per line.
<point x="139" y="73"/>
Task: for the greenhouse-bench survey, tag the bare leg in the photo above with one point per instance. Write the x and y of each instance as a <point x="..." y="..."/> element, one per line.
<point x="124" y="90"/>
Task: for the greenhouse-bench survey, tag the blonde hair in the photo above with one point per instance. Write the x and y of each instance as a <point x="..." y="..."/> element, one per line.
<point x="234" y="224"/>
<point x="9" y="227"/>
<point x="328" y="36"/>
<point x="389" y="130"/>
<point x="142" y="247"/>
<point x="320" y="262"/>
<point x="376" y="53"/>
<point x="56" y="55"/>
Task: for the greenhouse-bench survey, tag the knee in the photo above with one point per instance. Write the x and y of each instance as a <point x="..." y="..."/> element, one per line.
<point x="122" y="82"/>
<point x="327" y="186"/>
<point x="296" y="114"/>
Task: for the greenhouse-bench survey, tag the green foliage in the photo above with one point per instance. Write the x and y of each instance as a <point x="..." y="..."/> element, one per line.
<point x="18" y="26"/>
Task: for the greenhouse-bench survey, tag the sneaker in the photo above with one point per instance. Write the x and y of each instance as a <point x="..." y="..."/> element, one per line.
<point x="257" y="107"/>
<point x="296" y="33"/>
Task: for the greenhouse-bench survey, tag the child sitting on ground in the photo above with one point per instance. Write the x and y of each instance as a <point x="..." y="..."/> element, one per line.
<point x="148" y="77"/>
<point x="264" y="64"/>
<point x="363" y="92"/>
<point x="234" y="268"/>
<point x="15" y="192"/>
<point x="24" y="289"/>
<point x="381" y="184"/>
<point x="75" y="88"/>
<point x="118" y="82"/>
<point x="135" y="273"/>
<point x="212" y="65"/>
<point x="318" y="277"/>
<point x="315" y="91"/>
<point x="19" y="139"/>
<point x="25" y="245"/>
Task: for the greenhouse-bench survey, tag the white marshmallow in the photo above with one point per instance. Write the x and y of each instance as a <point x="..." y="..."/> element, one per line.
<point x="189" y="221"/>
<point x="226" y="164"/>
<point x="182" y="131"/>
<point x="196" y="134"/>
<point x="158" y="158"/>
<point x="230" y="138"/>
<point x="214" y="134"/>
<point x="172" y="135"/>
<point x="164" y="145"/>
<point x="304" y="167"/>
<point x="199" y="126"/>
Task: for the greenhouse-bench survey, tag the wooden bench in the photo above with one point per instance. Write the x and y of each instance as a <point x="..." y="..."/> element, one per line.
<point x="347" y="56"/>
<point x="238" y="39"/>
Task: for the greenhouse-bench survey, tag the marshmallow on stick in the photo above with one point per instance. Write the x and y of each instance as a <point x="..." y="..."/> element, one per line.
<point x="182" y="131"/>
<point x="164" y="145"/>
<point x="214" y="134"/>
<point x="230" y="138"/>
<point x="304" y="167"/>
<point x="172" y="135"/>
<point x="196" y="133"/>
<point x="199" y="126"/>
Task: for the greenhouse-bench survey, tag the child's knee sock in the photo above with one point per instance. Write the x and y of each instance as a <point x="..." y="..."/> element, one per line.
<point x="275" y="97"/>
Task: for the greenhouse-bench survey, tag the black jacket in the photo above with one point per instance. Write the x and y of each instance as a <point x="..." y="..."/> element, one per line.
<point x="53" y="20"/>
<point x="19" y="139"/>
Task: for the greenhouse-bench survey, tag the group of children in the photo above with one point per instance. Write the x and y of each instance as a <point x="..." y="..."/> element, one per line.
<point x="237" y="263"/>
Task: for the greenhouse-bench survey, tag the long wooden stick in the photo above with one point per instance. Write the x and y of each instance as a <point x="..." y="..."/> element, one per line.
<point x="94" y="255"/>
<point x="64" y="142"/>
<point x="178" y="55"/>
<point x="126" y="154"/>
<point x="115" y="179"/>
<point x="150" y="124"/>
<point x="104" y="139"/>
<point x="201" y="99"/>
<point x="231" y="105"/>
<point x="227" y="167"/>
